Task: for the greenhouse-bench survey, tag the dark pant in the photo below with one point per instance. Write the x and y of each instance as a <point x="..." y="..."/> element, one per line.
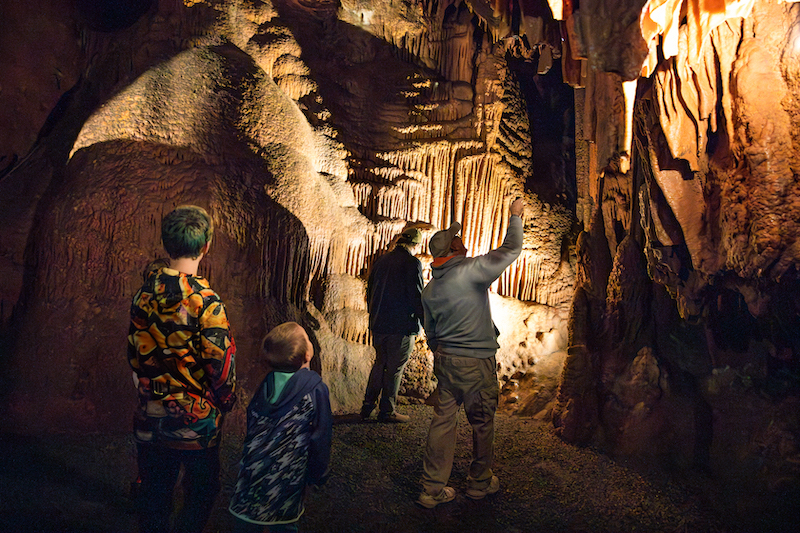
<point x="158" y="470"/>
<point x="391" y="355"/>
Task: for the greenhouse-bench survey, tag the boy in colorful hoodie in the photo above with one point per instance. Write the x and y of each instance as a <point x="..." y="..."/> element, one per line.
<point x="288" y="441"/>
<point x="182" y="354"/>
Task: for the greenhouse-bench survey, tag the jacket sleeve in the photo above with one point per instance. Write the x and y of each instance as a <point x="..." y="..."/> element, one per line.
<point x="416" y="297"/>
<point x="319" y="451"/>
<point x="140" y="341"/>
<point x="430" y="329"/>
<point x="488" y="267"/>
<point x="133" y="349"/>
<point x="217" y="351"/>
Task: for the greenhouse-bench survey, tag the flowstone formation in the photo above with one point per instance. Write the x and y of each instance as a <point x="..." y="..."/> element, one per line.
<point x="683" y="341"/>
<point x="653" y="140"/>
<point x="314" y="133"/>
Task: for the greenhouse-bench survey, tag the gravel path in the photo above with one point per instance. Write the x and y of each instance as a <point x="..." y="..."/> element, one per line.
<point x="546" y="486"/>
<point x="64" y="484"/>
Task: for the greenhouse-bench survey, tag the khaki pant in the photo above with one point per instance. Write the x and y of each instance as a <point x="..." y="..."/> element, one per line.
<point x="472" y="382"/>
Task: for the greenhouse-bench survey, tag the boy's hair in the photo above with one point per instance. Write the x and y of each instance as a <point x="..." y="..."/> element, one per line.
<point x="285" y="347"/>
<point x="185" y="231"/>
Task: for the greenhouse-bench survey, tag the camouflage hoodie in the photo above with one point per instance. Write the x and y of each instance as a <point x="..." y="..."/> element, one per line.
<point x="287" y="447"/>
<point x="182" y="354"/>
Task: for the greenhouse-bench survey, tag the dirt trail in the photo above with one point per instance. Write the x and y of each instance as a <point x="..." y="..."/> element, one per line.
<point x="62" y="484"/>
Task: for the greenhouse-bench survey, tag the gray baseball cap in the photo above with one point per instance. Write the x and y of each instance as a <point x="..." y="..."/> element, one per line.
<point x="440" y="242"/>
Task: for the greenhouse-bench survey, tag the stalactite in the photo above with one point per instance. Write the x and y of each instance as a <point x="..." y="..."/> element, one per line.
<point x="444" y="46"/>
<point x="664" y="17"/>
<point x="364" y="195"/>
<point x="688" y="95"/>
<point x="532" y="278"/>
<point x="352" y="256"/>
<point x="391" y="203"/>
<point x="296" y="86"/>
<point x="418" y="131"/>
<point x="344" y="308"/>
<point x="456" y="184"/>
<point x="458" y="49"/>
<point x="320" y="251"/>
<point x="479" y="193"/>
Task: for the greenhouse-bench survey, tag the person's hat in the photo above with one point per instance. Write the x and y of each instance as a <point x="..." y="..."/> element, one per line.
<point x="411" y="235"/>
<point x="440" y="242"/>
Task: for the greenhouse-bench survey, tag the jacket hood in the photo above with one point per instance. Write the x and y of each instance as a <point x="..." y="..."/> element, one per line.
<point x="162" y="285"/>
<point x="301" y="383"/>
<point x="440" y="270"/>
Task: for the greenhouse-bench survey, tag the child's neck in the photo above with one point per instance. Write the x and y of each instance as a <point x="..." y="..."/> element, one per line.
<point x="186" y="265"/>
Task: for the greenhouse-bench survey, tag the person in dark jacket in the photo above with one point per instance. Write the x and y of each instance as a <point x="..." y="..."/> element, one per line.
<point x="395" y="313"/>
<point x="463" y="339"/>
<point x="288" y="441"/>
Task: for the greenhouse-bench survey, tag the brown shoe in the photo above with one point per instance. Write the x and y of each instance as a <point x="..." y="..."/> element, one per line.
<point x="447" y="494"/>
<point x="395" y="417"/>
<point x="477" y="494"/>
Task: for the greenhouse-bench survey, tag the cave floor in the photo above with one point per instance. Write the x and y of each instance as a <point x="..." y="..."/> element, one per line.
<point x="66" y="483"/>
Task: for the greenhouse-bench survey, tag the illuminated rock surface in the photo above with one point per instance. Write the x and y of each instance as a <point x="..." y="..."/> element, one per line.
<point x="653" y="311"/>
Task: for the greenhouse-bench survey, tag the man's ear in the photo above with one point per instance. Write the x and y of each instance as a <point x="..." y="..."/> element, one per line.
<point x="205" y="248"/>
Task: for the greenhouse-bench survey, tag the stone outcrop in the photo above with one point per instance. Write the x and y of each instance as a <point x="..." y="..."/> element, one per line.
<point x="314" y="133"/>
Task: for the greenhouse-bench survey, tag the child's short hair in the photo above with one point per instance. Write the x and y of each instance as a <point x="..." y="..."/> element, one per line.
<point x="185" y="231"/>
<point x="285" y="347"/>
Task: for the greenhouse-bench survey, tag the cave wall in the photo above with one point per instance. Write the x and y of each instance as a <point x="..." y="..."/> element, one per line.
<point x="314" y="133"/>
<point x="682" y="341"/>
<point x="652" y="312"/>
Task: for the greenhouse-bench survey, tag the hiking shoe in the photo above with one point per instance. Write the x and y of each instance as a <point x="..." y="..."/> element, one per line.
<point x="395" y="417"/>
<point x="366" y="410"/>
<point x="447" y="494"/>
<point x="478" y="494"/>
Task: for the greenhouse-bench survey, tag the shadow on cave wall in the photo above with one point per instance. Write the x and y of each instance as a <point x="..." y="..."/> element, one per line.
<point x="111" y="57"/>
<point x="95" y="230"/>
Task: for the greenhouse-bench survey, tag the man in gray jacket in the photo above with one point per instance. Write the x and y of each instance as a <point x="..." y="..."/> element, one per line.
<point x="463" y="338"/>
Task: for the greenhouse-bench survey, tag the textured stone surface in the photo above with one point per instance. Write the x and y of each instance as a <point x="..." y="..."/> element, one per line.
<point x="661" y="234"/>
<point x="314" y="135"/>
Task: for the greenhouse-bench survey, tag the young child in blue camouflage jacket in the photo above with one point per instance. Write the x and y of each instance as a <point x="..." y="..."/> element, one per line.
<point x="288" y="440"/>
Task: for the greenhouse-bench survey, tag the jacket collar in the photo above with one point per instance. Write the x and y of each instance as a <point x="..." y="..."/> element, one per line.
<point x="440" y="261"/>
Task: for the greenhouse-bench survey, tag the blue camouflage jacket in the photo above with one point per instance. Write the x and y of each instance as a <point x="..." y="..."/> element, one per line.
<point x="287" y="447"/>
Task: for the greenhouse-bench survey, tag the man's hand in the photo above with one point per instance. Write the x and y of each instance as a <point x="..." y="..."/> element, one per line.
<point x="518" y="207"/>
